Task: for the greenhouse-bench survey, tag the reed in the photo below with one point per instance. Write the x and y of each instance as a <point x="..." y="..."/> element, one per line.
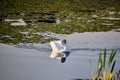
<point x="106" y="66"/>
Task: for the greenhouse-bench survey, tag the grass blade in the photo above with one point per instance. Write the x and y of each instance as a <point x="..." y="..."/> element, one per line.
<point x="113" y="66"/>
<point x="99" y="64"/>
<point x="112" y="55"/>
<point x="104" y="61"/>
<point x="110" y="58"/>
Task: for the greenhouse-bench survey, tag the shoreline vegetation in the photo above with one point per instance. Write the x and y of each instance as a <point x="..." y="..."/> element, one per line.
<point x="105" y="67"/>
<point x="41" y="17"/>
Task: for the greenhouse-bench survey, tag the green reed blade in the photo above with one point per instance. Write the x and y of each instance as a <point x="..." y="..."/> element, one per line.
<point x="112" y="68"/>
<point x="104" y="61"/>
<point x="99" y="64"/>
<point x="112" y="55"/>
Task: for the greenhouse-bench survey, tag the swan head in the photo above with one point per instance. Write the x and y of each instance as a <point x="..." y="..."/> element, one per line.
<point x="64" y="41"/>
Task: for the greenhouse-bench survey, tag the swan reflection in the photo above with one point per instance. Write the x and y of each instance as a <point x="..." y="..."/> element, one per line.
<point x="59" y="50"/>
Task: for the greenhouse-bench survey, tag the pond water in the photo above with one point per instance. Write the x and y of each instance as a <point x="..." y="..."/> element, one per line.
<point x="32" y="61"/>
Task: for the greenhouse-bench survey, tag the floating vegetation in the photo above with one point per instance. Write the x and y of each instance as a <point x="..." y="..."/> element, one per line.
<point x="60" y="17"/>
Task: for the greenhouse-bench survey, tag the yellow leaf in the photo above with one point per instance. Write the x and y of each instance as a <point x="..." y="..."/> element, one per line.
<point x="104" y="76"/>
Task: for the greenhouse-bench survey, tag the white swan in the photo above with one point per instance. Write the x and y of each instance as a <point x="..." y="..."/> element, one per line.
<point x="59" y="50"/>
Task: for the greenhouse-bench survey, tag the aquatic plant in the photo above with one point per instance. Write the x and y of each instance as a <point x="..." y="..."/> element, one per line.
<point x="106" y="67"/>
<point x="75" y="16"/>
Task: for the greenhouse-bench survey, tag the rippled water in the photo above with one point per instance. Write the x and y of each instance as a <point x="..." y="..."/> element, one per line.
<point x="32" y="61"/>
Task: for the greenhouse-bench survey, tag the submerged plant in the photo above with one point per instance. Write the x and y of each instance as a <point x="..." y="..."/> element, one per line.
<point x="106" y="67"/>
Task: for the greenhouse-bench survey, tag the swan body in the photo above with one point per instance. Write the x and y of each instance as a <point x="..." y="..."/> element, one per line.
<point x="59" y="50"/>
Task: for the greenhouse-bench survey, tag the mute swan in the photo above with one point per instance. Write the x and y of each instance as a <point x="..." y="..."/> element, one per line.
<point x="59" y="50"/>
